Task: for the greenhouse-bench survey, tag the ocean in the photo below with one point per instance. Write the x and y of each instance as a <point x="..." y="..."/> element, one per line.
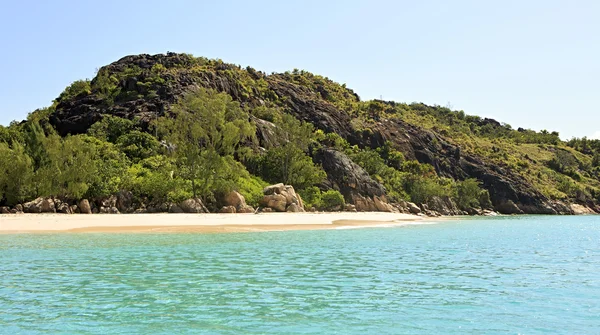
<point x="508" y="275"/>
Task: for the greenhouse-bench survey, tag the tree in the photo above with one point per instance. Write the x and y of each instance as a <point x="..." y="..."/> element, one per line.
<point x="468" y="194"/>
<point x="76" y="88"/>
<point x="70" y="167"/>
<point x="110" y="128"/>
<point x="205" y="130"/>
<point x="287" y="161"/>
<point x="596" y="159"/>
<point x="138" y="145"/>
<point x="16" y="170"/>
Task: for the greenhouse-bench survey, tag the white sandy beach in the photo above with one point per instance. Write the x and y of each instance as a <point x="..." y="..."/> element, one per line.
<point x="198" y="223"/>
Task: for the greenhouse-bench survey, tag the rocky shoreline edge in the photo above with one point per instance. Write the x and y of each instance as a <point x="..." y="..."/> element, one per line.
<point x="277" y="198"/>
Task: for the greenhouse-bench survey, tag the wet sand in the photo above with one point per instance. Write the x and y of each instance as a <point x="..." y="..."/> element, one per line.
<point x="198" y="223"/>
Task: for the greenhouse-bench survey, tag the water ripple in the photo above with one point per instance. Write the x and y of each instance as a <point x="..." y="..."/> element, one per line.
<point x="532" y="275"/>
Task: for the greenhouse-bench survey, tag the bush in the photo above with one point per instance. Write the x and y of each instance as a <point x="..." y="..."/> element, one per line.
<point x="468" y="194"/>
<point x="76" y="88"/>
<point x="110" y="128"/>
<point x="152" y="178"/>
<point x="312" y="197"/>
<point x="484" y="199"/>
<point x="332" y="200"/>
<point x="421" y="189"/>
<point x="138" y="145"/>
<point x="251" y="188"/>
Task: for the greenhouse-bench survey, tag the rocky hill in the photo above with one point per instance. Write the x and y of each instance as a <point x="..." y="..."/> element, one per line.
<point x="355" y="141"/>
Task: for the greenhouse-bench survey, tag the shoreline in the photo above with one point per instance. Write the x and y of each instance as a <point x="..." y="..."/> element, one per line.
<point x="202" y="223"/>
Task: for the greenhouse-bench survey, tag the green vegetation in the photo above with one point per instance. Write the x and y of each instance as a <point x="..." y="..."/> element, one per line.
<point x="330" y="200"/>
<point x="203" y="143"/>
<point x="205" y="132"/>
<point x="287" y="161"/>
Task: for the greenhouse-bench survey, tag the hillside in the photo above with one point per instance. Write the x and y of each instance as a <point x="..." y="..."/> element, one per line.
<point x="135" y="129"/>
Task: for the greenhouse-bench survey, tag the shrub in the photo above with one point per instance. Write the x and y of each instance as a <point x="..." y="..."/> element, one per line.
<point x="138" y="145"/>
<point x="312" y="197"/>
<point x="251" y="188"/>
<point x="110" y="128"/>
<point x="332" y="200"/>
<point x="76" y="88"/>
<point x="468" y="194"/>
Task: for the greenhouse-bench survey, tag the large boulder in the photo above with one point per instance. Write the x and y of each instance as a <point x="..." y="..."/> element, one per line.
<point x="247" y="209"/>
<point x="64" y="208"/>
<point x="443" y="205"/>
<point x="294" y="208"/>
<point x="280" y="197"/>
<point x="124" y="202"/>
<point x="276" y="202"/>
<point x="363" y="204"/>
<point x="234" y="199"/>
<point x="508" y="207"/>
<point x="108" y="202"/>
<point x="228" y="210"/>
<point x="382" y="205"/>
<point x="581" y="210"/>
<point x="175" y="209"/>
<point x="413" y="209"/>
<point x="238" y="202"/>
<point x="4" y="210"/>
<point x="274" y="189"/>
<point x="40" y="205"/>
<point x="109" y="210"/>
<point x="348" y="177"/>
<point x="193" y="206"/>
<point x="84" y="207"/>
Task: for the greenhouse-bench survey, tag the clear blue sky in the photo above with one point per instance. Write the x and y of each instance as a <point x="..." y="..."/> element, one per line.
<point x="534" y="64"/>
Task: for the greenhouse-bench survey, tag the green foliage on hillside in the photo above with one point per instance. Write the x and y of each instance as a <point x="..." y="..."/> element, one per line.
<point x="205" y="145"/>
<point x="287" y="161"/>
<point x="205" y="131"/>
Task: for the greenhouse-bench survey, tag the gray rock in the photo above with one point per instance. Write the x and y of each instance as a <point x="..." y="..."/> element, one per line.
<point x="508" y="207"/>
<point x="294" y="208"/>
<point x="382" y="205"/>
<point x="109" y="210"/>
<point x="277" y="202"/>
<point x="443" y="205"/>
<point x="64" y="208"/>
<point x="109" y="202"/>
<point x="350" y="208"/>
<point x="363" y="204"/>
<point x="40" y="205"/>
<point x="274" y="189"/>
<point x="175" y="209"/>
<point x="124" y="202"/>
<point x="4" y="210"/>
<point x="228" y="209"/>
<point x="84" y="207"/>
<point x="412" y="208"/>
<point x="235" y="200"/>
<point x="246" y="209"/>
<point x="193" y="206"/>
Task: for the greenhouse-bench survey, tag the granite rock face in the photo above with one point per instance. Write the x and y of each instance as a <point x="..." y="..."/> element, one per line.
<point x="281" y="198"/>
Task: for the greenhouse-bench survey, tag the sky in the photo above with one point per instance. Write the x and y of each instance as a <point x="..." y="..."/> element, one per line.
<point x="532" y="64"/>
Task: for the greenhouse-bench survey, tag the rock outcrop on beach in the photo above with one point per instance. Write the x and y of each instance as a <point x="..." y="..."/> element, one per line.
<point x="282" y="198"/>
<point x="234" y="202"/>
<point x="145" y="87"/>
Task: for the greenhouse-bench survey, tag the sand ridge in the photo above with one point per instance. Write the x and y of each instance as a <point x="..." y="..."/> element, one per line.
<point x="198" y="223"/>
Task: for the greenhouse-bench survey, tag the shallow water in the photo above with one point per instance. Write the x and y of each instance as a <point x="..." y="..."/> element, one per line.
<point x="525" y="275"/>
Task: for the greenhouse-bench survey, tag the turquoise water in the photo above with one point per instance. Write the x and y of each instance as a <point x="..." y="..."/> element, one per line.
<point x="526" y="275"/>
